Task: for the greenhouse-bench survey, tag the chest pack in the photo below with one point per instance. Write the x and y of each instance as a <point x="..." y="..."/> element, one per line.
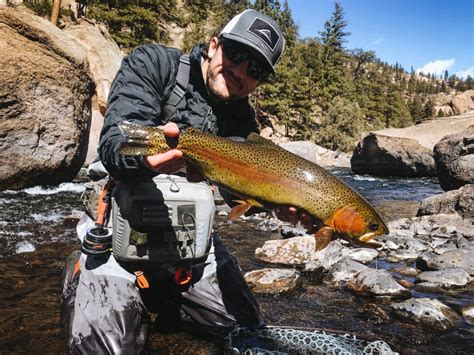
<point x="164" y="221"/>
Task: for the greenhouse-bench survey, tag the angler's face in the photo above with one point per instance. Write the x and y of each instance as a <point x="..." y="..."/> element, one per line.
<point x="225" y="79"/>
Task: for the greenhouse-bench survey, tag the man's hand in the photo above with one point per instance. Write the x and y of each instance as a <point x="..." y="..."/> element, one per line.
<point x="293" y="215"/>
<point x="171" y="161"/>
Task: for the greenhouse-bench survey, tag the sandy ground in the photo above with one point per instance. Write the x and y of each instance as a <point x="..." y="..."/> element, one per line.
<point x="431" y="132"/>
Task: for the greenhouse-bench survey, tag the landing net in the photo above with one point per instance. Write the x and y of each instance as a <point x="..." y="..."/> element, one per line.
<point x="280" y="340"/>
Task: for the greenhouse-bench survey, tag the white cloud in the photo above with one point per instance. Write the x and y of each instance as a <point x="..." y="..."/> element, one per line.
<point x="464" y="73"/>
<point x="437" y="67"/>
<point x="377" y="41"/>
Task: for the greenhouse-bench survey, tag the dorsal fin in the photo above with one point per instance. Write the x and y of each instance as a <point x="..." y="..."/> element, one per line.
<point x="258" y="139"/>
<point x="255" y="138"/>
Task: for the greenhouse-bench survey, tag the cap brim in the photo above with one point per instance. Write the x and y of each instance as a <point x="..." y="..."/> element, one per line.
<point x="253" y="46"/>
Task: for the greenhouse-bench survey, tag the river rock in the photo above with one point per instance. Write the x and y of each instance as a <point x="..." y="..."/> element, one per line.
<point x="402" y="255"/>
<point x="444" y="247"/>
<point x="429" y="312"/>
<point x="318" y="155"/>
<point x="454" y="158"/>
<point x="344" y="270"/>
<point x="422" y="260"/>
<point x="372" y="282"/>
<point x="362" y="255"/>
<point x="327" y="257"/>
<point x="290" y="231"/>
<point x="460" y="201"/>
<point x="45" y="107"/>
<point x="468" y="313"/>
<point x="458" y="258"/>
<point x="445" y="278"/>
<point x="380" y="155"/>
<point x="293" y="251"/>
<point x="405" y="271"/>
<point x="273" y="281"/>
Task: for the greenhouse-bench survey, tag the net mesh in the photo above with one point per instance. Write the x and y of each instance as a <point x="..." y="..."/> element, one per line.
<point x="279" y="340"/>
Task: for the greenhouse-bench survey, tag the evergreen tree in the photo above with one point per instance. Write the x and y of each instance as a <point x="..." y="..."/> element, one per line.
<point x="428" y="109"/>
<point x="469" y="83"/>
<point x="342" y="126"/>
<point x="396" y="112"/>
<point x="334" y="35"/>
<point x="446" y="76"/>
<point x="416" y="109"/>
<point x="333" y="77"/>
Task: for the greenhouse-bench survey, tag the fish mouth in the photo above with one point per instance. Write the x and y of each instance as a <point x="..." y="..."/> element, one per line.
<point x="363" y="243"/>
<point x="367" y="236"/>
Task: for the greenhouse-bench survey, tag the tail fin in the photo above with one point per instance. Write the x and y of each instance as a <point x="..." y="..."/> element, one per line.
<point x="141" y="140"/>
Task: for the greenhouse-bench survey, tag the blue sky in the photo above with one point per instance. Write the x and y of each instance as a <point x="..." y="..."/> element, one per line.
<point x="430" y="35"/>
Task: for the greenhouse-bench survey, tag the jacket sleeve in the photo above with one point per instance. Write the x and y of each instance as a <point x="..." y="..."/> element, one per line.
<point x="143" y="81"/>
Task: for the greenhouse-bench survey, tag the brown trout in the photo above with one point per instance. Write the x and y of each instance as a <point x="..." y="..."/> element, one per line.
<point x="265" y="175"/>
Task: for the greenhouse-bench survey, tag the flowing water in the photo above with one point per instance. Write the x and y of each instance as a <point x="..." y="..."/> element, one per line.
<point x="37" y="215"/>
<point x="42" y="215"/>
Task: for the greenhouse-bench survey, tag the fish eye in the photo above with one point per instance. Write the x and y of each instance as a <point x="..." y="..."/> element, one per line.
<point x="374" y="226"/>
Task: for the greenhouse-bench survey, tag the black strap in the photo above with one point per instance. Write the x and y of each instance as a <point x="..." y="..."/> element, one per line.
<point x="182" y="81"/>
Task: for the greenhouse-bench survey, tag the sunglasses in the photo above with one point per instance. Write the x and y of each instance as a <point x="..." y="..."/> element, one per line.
<point x="238" y="53"/>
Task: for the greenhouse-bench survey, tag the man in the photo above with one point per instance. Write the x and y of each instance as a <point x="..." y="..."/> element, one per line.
<point x="103" y="310"/>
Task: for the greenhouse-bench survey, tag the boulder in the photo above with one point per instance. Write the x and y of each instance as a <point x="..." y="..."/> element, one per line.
<point x="318" y="155"/>
<point x="381" y="155"/>
<point x="462" y="102"/>
<point x="428" y="312"/>
<point x="454" y="159"/>
<point x="460" y="201"/>
<point x="406" y="151"/>
<point x="104" y="58"/>
<point x="372" y="282"/>
<point x="45" y="107"/>
<point x="273" y="281"/>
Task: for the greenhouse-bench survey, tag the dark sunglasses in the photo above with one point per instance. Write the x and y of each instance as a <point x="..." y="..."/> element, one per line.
<point x="238" y="53"/>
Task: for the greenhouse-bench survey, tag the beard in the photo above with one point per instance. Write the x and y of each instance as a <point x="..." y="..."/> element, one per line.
<point x="220" y="89"/>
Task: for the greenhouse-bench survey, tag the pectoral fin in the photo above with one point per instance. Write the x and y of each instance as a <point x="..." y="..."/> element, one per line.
<point x="242" y="207"/>
<point x="239" y="210"/>
<point x="323" y="237"/>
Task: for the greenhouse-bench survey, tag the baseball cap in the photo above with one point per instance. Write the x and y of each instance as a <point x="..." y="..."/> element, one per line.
<point x="259" y="32"/>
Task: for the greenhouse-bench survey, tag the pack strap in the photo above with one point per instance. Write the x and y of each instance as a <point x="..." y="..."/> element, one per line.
<point x="182" y="81"/>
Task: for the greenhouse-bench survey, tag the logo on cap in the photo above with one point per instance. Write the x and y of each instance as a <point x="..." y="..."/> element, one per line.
<point x="266" y="32"/>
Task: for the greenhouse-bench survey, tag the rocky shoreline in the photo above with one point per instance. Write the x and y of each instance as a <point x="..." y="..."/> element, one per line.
<point x="433" y="254"/>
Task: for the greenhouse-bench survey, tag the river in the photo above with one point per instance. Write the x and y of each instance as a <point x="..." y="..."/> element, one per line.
<point x="38" y="216"/>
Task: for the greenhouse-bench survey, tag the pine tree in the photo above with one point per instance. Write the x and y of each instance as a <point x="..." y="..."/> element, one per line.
<point x="333" y="76"/>
<point x="428" y="109"/>
<point x="342" y="126"/>
<point x="416" y="109"/>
